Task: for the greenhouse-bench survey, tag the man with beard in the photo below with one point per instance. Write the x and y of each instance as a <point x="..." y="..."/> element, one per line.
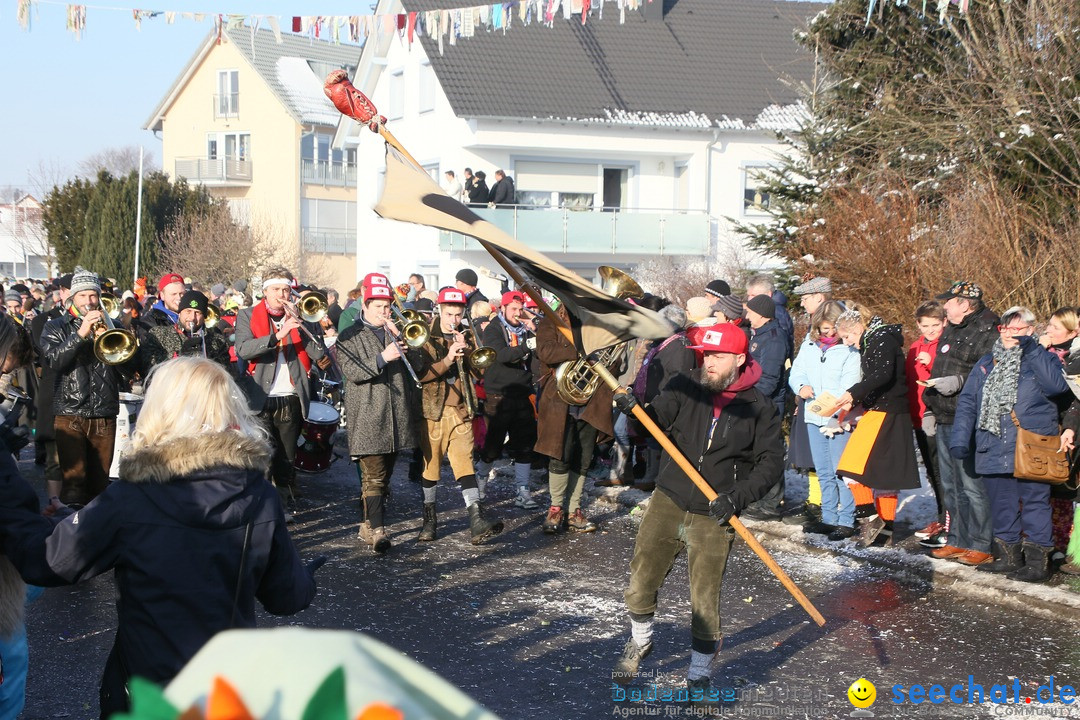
<point x="731" y="432"/>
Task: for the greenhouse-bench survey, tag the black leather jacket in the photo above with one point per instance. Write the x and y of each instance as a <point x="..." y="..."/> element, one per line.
<point x="84" y="386"/>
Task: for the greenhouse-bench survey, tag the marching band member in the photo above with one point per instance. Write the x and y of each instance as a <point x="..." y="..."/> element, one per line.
<point x="189" y="336"/>
<point x="278" y="358"/>
<point x="509" y="408"/>
<point x="165" y="311"/>
<point x="566" y="433"/>
<point x="448" y="404"/>
<point x="379" y="403"/>
<point x="86" y="393"/>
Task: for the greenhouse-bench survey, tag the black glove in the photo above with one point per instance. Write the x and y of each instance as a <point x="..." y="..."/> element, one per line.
<point x="315" y="565"/>
<point x="625" y="402"/>
<point x="722" y="508"/>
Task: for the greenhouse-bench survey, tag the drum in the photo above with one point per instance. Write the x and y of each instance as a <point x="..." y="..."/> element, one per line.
<point x="130" y="404"/>
<point x="315" y="446"/>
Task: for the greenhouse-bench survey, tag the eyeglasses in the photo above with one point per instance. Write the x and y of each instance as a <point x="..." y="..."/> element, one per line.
<point x="1013" y="328"/>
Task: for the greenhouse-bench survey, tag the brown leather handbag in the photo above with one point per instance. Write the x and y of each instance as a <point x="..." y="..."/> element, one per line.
<point x="1038" y="457"/>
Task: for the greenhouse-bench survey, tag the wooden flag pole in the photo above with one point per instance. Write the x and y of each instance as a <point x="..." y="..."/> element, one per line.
<point x="660" y="437"/>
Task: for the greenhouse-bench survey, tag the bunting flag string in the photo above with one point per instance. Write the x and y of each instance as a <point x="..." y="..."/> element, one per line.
<point x="445" y="26"/>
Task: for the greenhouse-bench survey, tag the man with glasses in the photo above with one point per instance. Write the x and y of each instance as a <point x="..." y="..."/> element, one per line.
<point x="970" y="335"/>
<point x="416" y="286"/>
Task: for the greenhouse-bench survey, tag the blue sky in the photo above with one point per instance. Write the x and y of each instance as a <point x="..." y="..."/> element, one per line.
<point x="65" y="99"/>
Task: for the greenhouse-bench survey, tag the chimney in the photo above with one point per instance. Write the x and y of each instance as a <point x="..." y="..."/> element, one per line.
<point x="652" y="10"/>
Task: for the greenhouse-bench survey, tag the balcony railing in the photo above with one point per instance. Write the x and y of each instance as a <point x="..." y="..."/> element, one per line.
<point x="333" y="242"/>
<point x="227" y="105"/>
<point x="619" y="231"/>
<point x="326" y="172"/>
<point x="214" y="171"/>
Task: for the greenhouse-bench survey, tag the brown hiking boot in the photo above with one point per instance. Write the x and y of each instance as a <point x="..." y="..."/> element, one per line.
<point x="553" y="521"/>
<point x="579" y="523"/>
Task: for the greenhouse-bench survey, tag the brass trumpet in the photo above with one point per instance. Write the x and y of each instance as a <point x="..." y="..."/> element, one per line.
<point x="112" y="345"/>
<point x="213" y="316"/>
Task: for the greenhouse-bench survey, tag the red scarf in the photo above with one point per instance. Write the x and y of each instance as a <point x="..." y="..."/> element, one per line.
<point x="260" y="327"/>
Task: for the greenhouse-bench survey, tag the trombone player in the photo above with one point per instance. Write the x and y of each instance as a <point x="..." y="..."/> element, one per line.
<point x="380" y="399"/>
<point x="449" y="404"/>
<point x="276" y="358"/>
<point x="86" y="396"/>
<point x="189" y="336"/>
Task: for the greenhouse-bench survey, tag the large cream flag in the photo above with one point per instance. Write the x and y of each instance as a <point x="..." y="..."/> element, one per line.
<point x="598" y="320"/>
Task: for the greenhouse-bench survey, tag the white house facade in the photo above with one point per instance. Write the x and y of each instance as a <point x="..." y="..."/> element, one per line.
<point x="24" y="247"/>
<point x="596" y="183"/>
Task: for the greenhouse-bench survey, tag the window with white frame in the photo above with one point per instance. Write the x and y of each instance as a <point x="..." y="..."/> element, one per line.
<point x="546" y="184"/>
<point x="396" y="90"/>
<point x="426" y="102"/>
<point x="755" y="195"/>
<point x="227" y="100"/>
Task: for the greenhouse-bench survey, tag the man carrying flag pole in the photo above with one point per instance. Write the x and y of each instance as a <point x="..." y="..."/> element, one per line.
<point x="596" y="320"/>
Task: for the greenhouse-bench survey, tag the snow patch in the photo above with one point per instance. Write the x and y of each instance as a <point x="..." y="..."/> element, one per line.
<point x="305" y="91"/>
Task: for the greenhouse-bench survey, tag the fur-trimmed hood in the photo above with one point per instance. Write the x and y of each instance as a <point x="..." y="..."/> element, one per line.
<point x="188" y="456"/>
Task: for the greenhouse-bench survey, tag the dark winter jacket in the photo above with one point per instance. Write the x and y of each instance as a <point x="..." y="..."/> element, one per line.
<point x="478" y="192"/>
<point x="959" y="348"/>
<point x="1041" y="382"/>
<point x="510" y="373"/>
<point x="783" y="319"/>
<point x="675" y="358"/>
<point x="381" y="400"/>
<point x="884" y="383"/>
<point x="502" y="192"/>
<point x="746" y="453"/>
<point x="47" y="383"/>
<point x="84" y="386"/>
<point x="769" y="348"/>
<point x="154" y="317"/>
<point x="174" y="529"/>
<point x="164" y="343"/>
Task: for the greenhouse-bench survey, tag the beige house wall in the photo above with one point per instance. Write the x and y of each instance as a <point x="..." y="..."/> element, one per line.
<point x="271" y="202"/>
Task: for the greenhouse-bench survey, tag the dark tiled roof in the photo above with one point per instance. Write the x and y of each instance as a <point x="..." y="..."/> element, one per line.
<point x="710" y="57"/>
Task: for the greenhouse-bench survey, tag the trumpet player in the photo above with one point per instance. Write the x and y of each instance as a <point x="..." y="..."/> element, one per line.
<point x="449" y="405"/>
<point x="381" y="401"/>
<point x="189" y="336"/>
<point x="86" y="392"/>
<point x="276" y="359"/>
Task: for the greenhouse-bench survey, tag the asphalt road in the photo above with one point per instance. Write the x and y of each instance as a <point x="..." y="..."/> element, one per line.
<point x="530" y="624"/>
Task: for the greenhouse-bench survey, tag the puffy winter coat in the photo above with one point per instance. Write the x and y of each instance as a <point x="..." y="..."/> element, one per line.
<point x="174" y="528"/>
<point x="769" y="347"/>
<point x="84" y="386"/>
<point x="959" y="348"/>
<point x="832" y="370"/>
<point x="1041" y="381"/>
<point x="884" y="385"/>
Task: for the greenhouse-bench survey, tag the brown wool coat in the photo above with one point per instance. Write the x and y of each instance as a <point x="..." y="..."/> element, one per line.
<point x="552" y="349"/>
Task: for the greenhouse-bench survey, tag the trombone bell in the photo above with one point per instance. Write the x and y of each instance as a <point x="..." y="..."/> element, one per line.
<point x="213" y="317"/>
<point x="110" y="306"/>
<point x="312" y="307"/>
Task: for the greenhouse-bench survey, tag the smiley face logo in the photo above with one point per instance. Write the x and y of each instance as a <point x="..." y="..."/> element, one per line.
<point x="862" y="693"/>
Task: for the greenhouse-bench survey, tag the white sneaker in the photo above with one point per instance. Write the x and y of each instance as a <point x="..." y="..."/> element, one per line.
<point x="524" y="500"/>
